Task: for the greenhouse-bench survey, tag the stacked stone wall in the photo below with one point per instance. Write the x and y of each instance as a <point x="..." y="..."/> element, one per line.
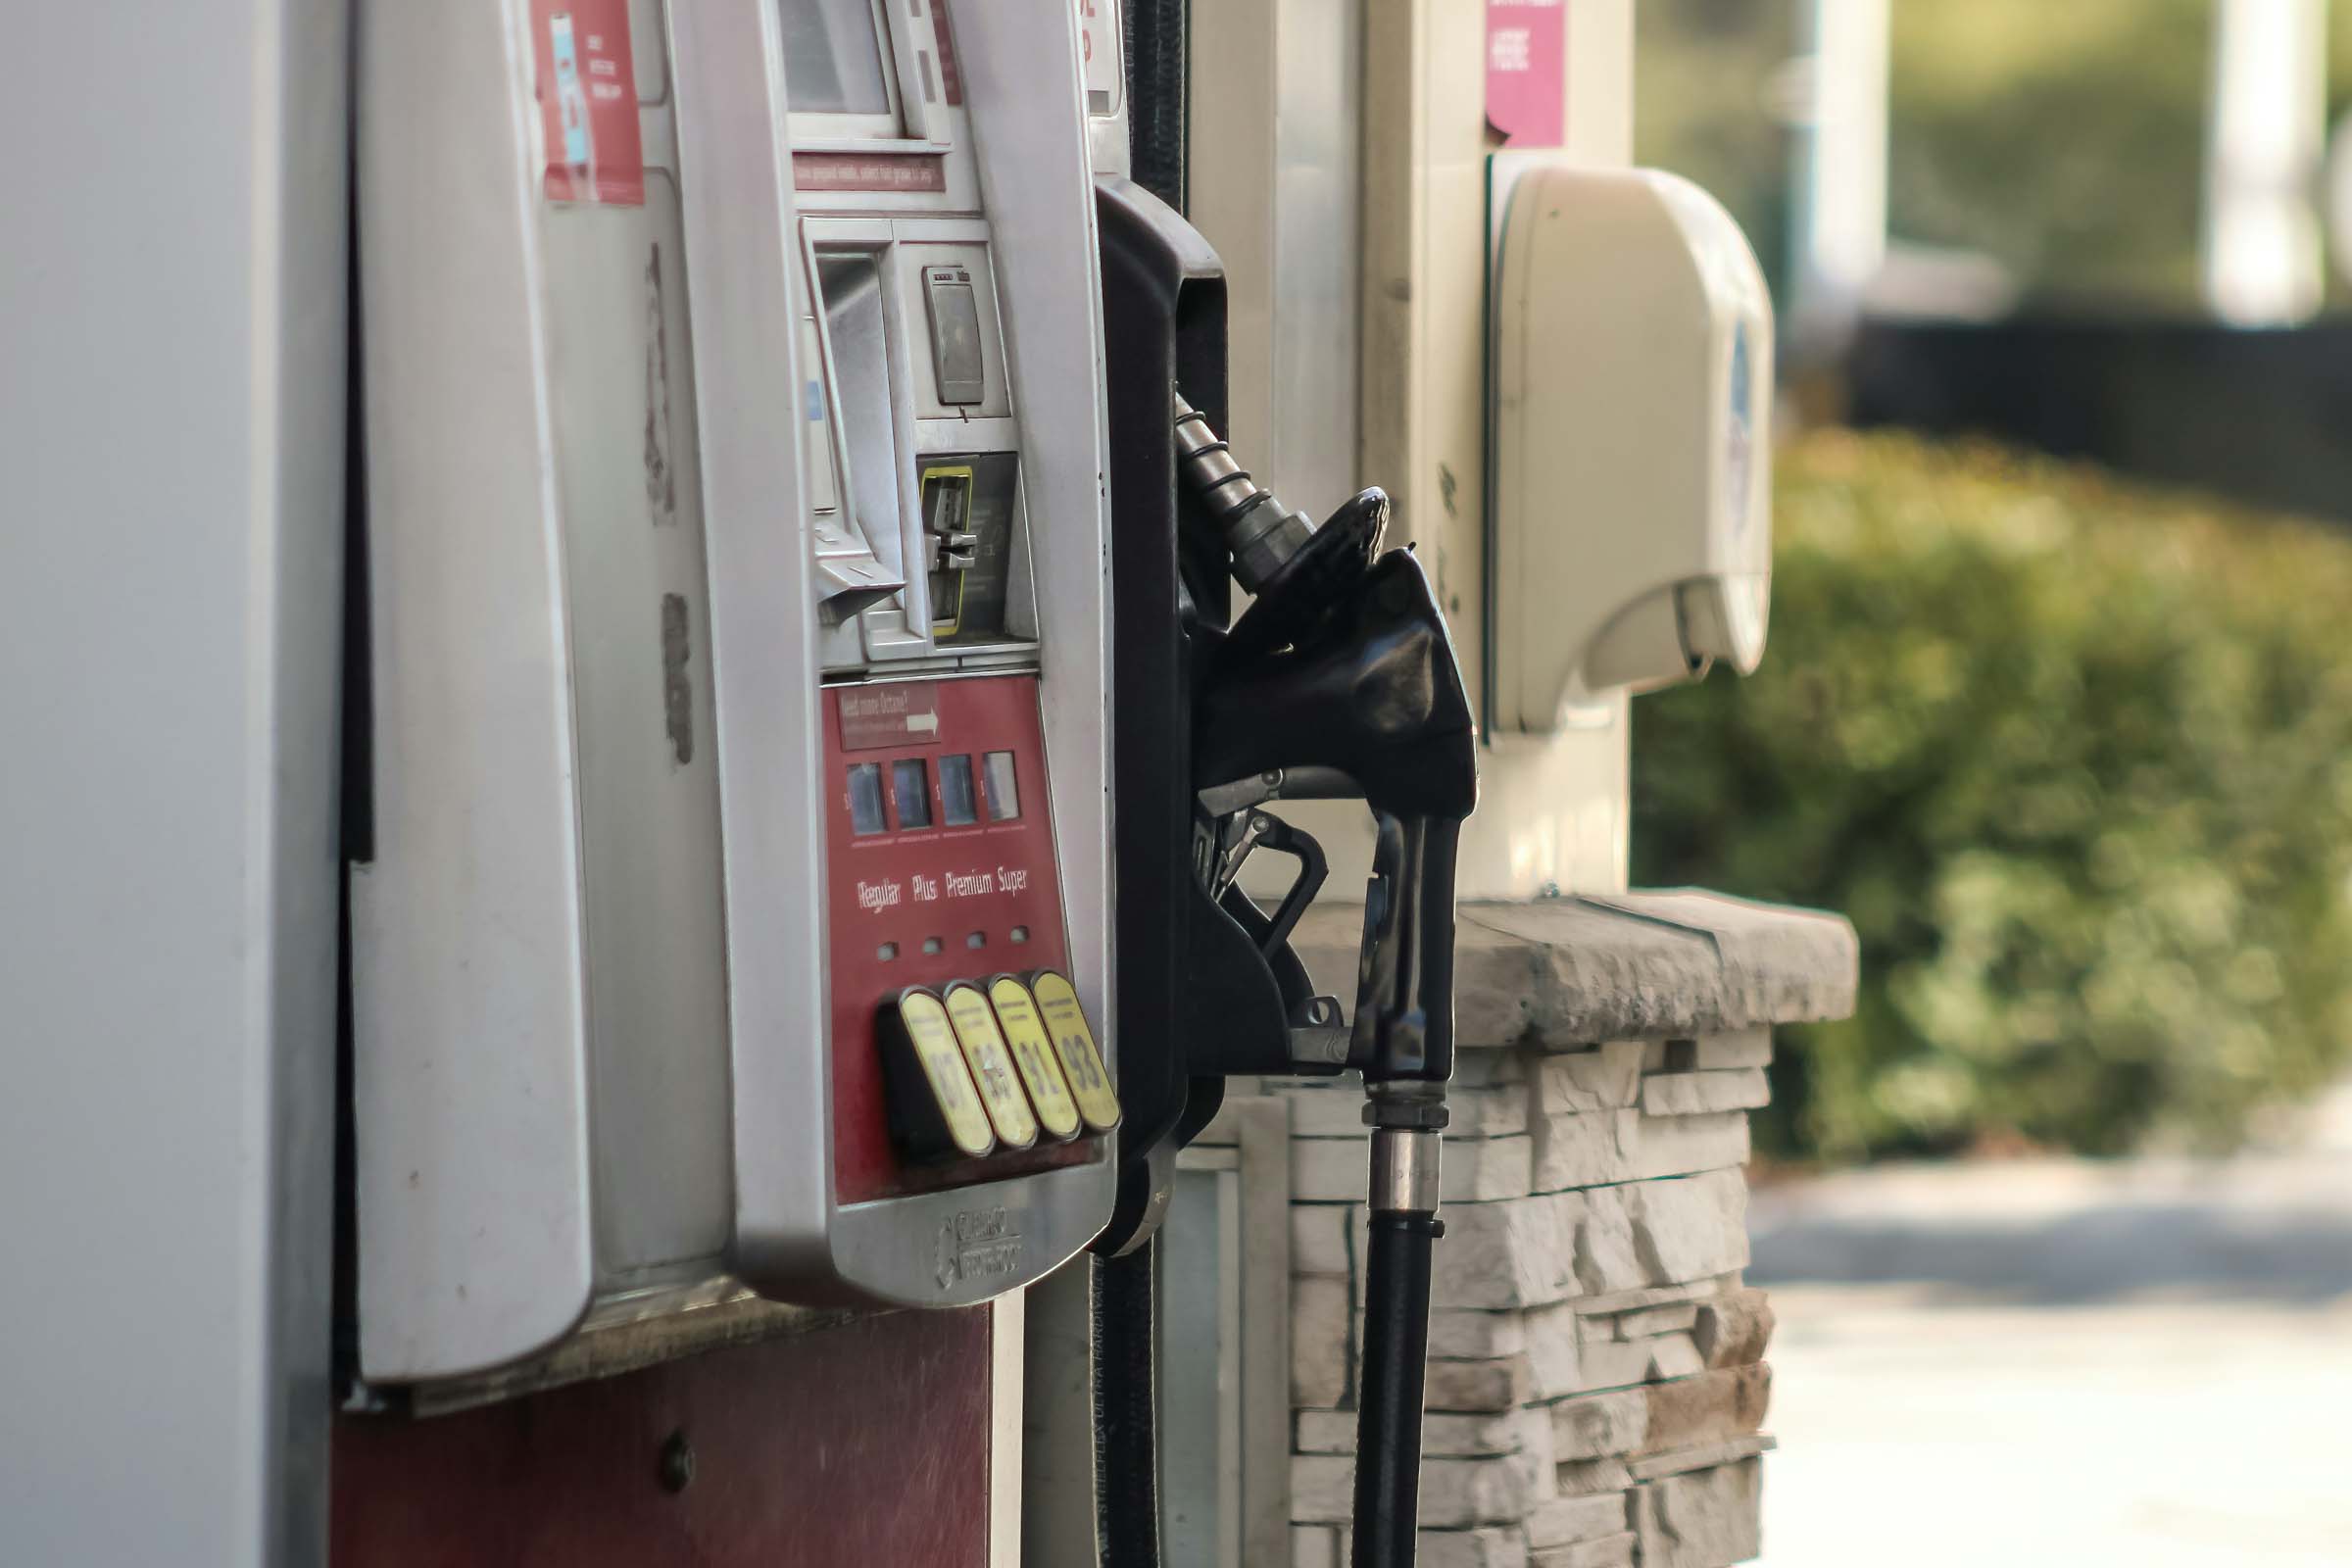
<point x="1598" y="1387"/>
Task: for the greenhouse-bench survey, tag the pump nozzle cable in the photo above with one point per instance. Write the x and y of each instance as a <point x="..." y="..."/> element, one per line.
<point x="1404" y="1230"/>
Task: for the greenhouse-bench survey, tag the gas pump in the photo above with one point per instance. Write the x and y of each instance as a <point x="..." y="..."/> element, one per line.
<point x="793" y="607"/>
<point x="736" y="575"/>
<point x="730" y="920"/>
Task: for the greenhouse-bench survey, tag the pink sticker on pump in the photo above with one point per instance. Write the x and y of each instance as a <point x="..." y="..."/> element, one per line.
<point x="1527" y="71"/>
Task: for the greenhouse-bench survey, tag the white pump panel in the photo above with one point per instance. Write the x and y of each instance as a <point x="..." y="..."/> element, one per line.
<point x="1631" y="441"/>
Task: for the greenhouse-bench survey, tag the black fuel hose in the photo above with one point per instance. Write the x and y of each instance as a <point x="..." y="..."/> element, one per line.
<point x="1387" y="1432"/>
<point x="1126" y="1412"/>
<point x="1158" y="74"/>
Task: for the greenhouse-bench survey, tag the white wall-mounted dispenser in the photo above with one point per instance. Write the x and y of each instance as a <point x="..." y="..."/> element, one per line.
<point x="1632" y="389"/>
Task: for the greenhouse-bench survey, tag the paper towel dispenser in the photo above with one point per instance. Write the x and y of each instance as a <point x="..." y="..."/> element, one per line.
<point x="1633" y="366"/>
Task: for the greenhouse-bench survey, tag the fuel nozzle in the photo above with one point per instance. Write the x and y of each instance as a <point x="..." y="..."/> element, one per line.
<point x="1342" y="670"/>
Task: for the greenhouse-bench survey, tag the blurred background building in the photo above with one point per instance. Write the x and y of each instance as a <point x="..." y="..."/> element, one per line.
<point x="2045" y="227"/>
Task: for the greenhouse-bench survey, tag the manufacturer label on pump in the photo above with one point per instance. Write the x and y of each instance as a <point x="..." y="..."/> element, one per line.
<point x="992" y="1067"/>
<point x="963" y="1121"/>
<point x="1074" y="1044"/>
<point x="1033" y="1054"/>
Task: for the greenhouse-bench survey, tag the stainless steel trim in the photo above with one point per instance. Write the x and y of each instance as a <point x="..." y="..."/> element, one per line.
<point x="742" y="253"/>
<point x="467" y="953"/>
<point x="629" y="1333"/>
<point x="1028" y="160"/>
<point x="1405" y="1170"/>
<point x="968" y="1244"/>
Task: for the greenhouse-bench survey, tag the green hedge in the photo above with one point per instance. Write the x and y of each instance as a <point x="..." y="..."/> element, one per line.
<point x="2075" y="756"/>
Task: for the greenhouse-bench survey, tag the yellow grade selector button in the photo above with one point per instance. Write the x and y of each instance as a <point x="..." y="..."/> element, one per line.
<point x="936" y="1110"/>
<point x="1033" y="1054"/>
<point x="1074" y="1044"/>
<point x="992" y="1067"/>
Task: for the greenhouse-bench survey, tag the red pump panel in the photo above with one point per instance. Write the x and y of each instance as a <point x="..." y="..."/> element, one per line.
<point x="863" y="1444"/>
<point x="939" y="860"/>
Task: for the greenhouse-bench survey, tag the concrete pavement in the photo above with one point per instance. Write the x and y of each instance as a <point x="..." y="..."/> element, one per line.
<point x="2065" y="1363"/>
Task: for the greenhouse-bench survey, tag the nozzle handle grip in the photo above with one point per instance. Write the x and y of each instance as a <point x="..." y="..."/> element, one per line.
<point x="1404" y="975"/>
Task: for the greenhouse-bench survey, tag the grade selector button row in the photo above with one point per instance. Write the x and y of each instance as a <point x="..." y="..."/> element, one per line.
<point x="992" y="1067"/>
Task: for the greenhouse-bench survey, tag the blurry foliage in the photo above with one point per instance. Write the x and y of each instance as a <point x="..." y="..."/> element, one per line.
<point x="1706" y="72"/>
<point x="2067" y="140"/>
<point x="2075" y="757"/>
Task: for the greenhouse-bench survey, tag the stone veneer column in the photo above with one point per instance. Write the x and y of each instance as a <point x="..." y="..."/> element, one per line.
<point x="1596" y="1382"/>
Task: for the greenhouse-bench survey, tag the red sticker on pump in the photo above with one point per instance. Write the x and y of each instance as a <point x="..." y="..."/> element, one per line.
<point x="588" y="101"/>
<point x="899" y="714"/>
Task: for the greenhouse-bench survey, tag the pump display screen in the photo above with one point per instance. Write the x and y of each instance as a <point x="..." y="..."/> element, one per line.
<point x="910" y="785"/>
<point x="833" y="62"/>
<point x="958" y="802"/>
<point x="865" y="800"/>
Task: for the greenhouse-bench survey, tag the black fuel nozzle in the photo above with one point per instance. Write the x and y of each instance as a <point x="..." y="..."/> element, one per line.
<point x="1341" y="671"/>
<point x="1374" y="699"/>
